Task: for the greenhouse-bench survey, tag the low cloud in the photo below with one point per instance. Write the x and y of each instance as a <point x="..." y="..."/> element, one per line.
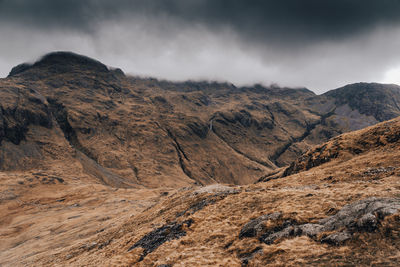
<point x="318" y="44"/>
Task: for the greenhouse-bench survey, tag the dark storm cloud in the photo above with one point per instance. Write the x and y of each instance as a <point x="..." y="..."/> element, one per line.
<point x="273" y="21"/>
<point x="321" y="44"/>
<point x="290" y="20"/>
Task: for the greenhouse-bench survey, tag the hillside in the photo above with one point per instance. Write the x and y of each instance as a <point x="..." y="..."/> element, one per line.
<point x="342" y="212"/>
<point x="133" y="132"/>
<point x="101" y="168"/>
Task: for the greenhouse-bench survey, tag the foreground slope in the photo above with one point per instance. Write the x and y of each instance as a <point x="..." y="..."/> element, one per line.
<point x="343" y="211"/>
<point x="121" y="131"/>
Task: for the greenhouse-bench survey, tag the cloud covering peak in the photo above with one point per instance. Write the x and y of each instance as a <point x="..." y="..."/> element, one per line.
<point x="313" y="43"/>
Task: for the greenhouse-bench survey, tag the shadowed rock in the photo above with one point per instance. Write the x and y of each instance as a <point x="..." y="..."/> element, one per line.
<point x="361" y="216"/>
<point x="156" y="238"/>
<point x="256" y="226"/>
<point x="61" y="62"/>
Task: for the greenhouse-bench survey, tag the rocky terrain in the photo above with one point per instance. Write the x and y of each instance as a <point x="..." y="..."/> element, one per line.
<point x="102" y="168"/>
<point x="134" y="132"/>
<point x="343" y="212"/>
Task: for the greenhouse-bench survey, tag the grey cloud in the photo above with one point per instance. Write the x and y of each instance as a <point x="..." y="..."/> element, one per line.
<point x="283" y="21"/>
<point x="321" y="44"/>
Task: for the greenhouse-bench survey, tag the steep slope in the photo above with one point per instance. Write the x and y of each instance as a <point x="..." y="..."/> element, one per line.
<point x="343" y="212"/>
<point x="371" y="99"/>
<point x="128" y="131"/>
<point x="347" y="145"/>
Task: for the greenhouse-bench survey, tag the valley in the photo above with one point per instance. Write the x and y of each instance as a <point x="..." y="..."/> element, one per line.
<point x="98" y="167"/>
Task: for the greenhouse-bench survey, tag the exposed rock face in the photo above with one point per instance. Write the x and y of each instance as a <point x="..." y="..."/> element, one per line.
<point x="156" y="238"/>
<point x="362" y="216"/>
<point x="24" y="108"/>
<point x="256" y="226"/>
<point x="371" y="99"/>
<point x="154" y="133"/>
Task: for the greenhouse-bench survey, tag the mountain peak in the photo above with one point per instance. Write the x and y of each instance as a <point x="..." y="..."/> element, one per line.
<point x="61" y="61"/>
<point x="371" y="99"/>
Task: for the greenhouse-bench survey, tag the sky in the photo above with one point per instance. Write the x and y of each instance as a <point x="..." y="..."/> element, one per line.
<point x="318" y="44"/>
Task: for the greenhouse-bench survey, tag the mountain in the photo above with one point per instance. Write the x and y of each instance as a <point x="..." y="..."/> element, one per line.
<point x="101" y="168"/>
<point x="124" y="131"/>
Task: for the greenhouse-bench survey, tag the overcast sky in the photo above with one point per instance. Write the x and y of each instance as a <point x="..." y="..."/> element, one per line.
<point x="319" y="44"/>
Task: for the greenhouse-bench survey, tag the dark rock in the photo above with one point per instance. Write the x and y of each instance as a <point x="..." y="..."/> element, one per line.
<point x="351" y="213"/>
<point x="308" y="161"/>
<point x="15" y="122"/>
<point x="19" y="68"/>
<point x="256" y="226"/>
<point x="74" y="217"/>
<point x="371" y="99"/>
<point x="60" y="180"/>
<point x="310" y="229"/>
<point x="118" y="73"/>
<point x="199" y="129"/>
<point x="336" y="238"/>
<point x="361" y="216"/>
<point x="160" y="99"/>
<point x="246" y="257"/>
<point x="60" y="62"/>
<point x="368" y="222"/>
<point x="159" y="236"/>
<point x="200" y="205"/>
<point x="271" y="236"/>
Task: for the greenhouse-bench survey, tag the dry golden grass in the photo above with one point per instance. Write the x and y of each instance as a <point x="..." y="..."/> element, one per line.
<point x="213" y="239"/>
<point x="37" y="229"/>
<point x="65" y="208"/>
<point x="306" y="197"/>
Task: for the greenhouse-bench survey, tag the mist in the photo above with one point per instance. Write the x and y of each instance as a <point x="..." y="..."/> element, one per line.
<point x="316" y="45"/>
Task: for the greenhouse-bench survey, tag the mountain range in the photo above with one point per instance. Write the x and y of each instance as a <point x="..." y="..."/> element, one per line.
<point x="98" y="167"/>
<point x="141" y="132"/>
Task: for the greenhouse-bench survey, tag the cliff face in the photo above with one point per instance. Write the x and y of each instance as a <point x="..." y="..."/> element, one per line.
<point x="128" y="131"/>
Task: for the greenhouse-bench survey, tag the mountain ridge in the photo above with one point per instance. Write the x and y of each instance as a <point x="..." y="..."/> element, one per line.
<point x="183" y="133"/>
<point x="101" y="168"/>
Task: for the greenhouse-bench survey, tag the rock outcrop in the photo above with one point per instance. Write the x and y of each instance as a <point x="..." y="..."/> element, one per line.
<point x="362" y="216"/>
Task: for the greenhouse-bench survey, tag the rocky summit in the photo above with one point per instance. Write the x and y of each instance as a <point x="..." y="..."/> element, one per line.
<point x="98" y="167"/>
